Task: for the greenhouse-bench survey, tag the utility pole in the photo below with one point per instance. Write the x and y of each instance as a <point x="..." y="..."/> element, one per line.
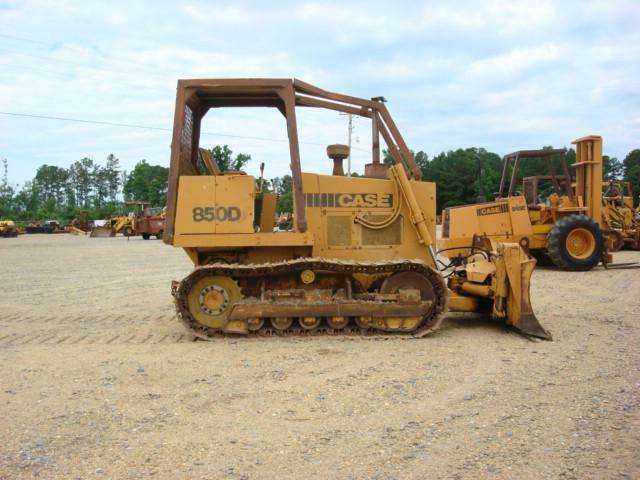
<point x="349" y="134"/>
<point x="349" y="157"/>
<point x="5" y="173"/>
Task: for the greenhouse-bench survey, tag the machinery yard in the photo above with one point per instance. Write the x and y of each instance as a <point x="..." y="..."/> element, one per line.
<point x="99" y="380"/>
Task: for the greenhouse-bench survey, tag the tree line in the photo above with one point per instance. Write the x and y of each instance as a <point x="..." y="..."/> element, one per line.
<point x="58" y="193"/>
<point x="462" y="176"/>
<point x="470" y="175"/>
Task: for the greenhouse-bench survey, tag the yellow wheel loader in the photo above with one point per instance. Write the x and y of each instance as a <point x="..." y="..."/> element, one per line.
<point x="556" y="217"/>
<point x="360" y="255"/>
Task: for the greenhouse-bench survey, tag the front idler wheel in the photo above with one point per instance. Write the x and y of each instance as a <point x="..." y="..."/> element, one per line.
<point x="211" y="299"/>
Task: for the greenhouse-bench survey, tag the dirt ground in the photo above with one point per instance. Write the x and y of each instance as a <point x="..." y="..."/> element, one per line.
<point x="98" y="380"/>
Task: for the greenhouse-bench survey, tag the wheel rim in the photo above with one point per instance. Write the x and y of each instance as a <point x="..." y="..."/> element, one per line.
<point x="281" y="323"/>
<point x="413" y="280"/>
<point x="255" y="324"/>
<point x="309" y="323"/>
<point x="405" y="280"/>
<point x="337" y="322"/>
<point x="580" y="243"/>
<point x="211" y="298"/>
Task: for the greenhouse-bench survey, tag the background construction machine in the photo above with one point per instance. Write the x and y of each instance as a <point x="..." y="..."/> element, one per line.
<point x="150" y="222"/>
<point x="620" y="218"/>
<point x="48" y="226"/>
<point x="8" y="228"/>
<point x="144" y="220"/>
<point x="557" y="216"/>
<point x="360" y="255"/>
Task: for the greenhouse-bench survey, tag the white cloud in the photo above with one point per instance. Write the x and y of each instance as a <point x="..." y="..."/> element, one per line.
<point x="498" y="74"/>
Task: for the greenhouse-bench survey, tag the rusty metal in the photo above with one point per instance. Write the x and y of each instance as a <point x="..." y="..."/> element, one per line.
<point x="338" y="153"/>
<point x="431" y="312"/>
<point x="195" y="97"/>
<point x="515" y="157"/>
<point x="245" y="309"/>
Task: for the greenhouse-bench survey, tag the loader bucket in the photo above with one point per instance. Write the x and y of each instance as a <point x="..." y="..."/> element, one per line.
<point x="519" y="268"/>
<point x="102" y="232"/>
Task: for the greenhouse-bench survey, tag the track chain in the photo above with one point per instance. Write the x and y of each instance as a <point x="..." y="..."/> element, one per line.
<point x="430" y="322"/>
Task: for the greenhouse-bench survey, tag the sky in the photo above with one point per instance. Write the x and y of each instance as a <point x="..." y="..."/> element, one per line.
<point x="503" y="75"/>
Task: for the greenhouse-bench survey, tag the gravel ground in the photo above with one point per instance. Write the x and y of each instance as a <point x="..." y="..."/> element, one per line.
<point x="98" y="380"/>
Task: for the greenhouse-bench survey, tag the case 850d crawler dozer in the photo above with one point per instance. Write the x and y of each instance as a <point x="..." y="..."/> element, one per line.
<point x="360" y="256"/>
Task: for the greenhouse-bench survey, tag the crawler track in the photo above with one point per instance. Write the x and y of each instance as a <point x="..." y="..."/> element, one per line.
<point x="430" y="321"/>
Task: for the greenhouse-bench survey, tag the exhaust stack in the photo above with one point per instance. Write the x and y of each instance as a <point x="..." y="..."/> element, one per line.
<point x="338" y="153"/>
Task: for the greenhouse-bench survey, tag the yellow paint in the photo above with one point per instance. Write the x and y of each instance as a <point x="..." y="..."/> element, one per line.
<point x="352" y="197"/>
<point x="542" y="229"/>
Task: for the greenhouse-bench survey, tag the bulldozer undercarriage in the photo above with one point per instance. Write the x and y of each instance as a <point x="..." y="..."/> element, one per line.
<point x="312" y="296"/>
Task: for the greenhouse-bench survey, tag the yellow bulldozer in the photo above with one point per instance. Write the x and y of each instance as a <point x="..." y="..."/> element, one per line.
<point x="556" y="217"/>
<point x="8" y="228"/>
<point x="124" y="224"/>
<point x="360" y="255"/>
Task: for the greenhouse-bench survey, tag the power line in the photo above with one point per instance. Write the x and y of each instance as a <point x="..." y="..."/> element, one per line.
<point x="131" y="62"/>
<point x="146" y="127"/>
<point x="79" y="120"/>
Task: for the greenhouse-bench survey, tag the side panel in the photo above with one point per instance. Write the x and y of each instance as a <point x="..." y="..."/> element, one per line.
<point x="234" y="203"/>
<point x="333" y="203"/>
<point x="520" y="219"/>
<point x="193" y="192"/>
<point x="503" y="218"/>
<point x="215" y="204"/>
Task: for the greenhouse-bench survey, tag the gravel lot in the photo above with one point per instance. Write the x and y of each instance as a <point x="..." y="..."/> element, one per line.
<point x="98" y="380"/>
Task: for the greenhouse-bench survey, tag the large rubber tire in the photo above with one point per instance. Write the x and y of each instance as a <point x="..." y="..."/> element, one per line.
<point x="585" y="258"/>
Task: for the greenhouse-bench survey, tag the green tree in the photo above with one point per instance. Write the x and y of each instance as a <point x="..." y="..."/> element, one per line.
<point x="283" y="187"/>
<point x="223" y="156"/>
<point x="613" y="169"/>
<point x="631" y="167"/>
<point x="463" y="175"/>
<point x="27" y="201"/>
<point x="6" y="192"/>
<point x="80" y="178"/>
<point x="147" y="183"/>
<point x="51" y="181"/>
<point x="99" y="186"/>
<point x="113" y="177"/>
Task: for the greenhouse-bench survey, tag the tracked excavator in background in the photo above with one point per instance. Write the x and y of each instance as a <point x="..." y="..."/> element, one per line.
<point x="360" y="256"/>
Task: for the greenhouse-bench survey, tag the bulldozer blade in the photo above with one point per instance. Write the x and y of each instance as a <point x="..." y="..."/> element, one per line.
<point x="102" y="232"/>
<point x="519" y="311"/>
<point x="529" y="325"/>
